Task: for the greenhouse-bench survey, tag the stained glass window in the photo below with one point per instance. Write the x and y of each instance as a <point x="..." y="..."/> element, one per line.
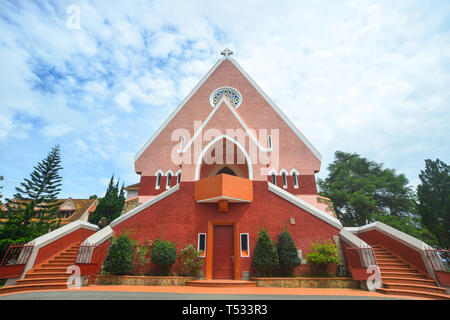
<point x="231" y="94"/>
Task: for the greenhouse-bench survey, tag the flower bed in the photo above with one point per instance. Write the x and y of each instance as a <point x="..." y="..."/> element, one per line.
<point x="141" y="280"/>
<point x="307" y="282"/>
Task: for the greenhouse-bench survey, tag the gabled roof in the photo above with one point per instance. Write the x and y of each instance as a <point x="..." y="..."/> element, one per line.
<point x="253" y="83"/>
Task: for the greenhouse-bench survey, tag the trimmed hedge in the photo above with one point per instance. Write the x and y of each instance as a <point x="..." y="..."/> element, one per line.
<point x="164" y="255"/>
<point x="265" y="258"/>
<point x="287" y="253"/>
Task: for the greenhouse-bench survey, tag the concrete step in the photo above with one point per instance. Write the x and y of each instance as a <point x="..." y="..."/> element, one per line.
<point x="33" y="287"/>
<point x="52" y="264"/>
<point x="414" y="287"/>
<point x="221" y="283"/>
<point x="412" y="293"/>
<point x="397" y="275"/>
<point x="50" y="269"/>
<point x="43" y="280"/>
<point x="36" y="275"/>
<point x="397" y="269"/>
<point x="393" y="264"/>
<point x="414" y="281"/>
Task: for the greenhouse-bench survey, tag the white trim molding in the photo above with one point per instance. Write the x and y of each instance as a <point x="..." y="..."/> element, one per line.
<point x="305" y="206"/>
<point x="294" y="174"/>
<point x="409" y="241"/>
<point x="248" y="244"/>
<point x="52" y="236"/>
<point x="210" y="144"/>
<point x="145" y="205"/>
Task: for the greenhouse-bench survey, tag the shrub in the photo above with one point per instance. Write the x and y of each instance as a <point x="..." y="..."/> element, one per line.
<point x="191" y="262"/>
<point x="120" y="256"/>
<point x="287" y="253"/>
<point x="141" y="256"/>
<point x="322" y="255"/>
<point x="265" y="257"/>
<point x="164" y="255"/>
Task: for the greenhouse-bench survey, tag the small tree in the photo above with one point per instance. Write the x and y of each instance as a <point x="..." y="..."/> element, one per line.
<point x="120" y="256"/>
<point x="191" y="262"/>
<point x="164" y="255"/>
<point x="287" y="253"/>
<point x="322" y="255"/>
<point x="265" y="258"/>
<point x="111" y="205"/>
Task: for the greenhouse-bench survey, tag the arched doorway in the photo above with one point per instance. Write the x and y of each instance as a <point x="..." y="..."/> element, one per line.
<point x="224" y="155"/>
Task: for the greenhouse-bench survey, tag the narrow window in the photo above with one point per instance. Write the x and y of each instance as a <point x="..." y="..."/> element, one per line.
<point x="169" y="180"/>
<point x="202" y="244"/>
<point x="158" y="180"/>
<point x="294" y="176"/>
<point x="274" y="179"/>
<point x="178" y="177"/>
<point x="245" y="248"/>
<point x="182" y="142"/>
<point x="269" y="141"/>
<point x="284" y="179"/>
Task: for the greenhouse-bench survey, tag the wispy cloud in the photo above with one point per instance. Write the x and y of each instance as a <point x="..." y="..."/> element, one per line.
<point x="362" y="76"/>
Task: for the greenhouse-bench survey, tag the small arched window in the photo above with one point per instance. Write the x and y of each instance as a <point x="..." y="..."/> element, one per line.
<point x="295" y="178"/>
<point x="274" y="179"/>
<point x="178" y="177"/>
<point x="158" y="179"/>
<point x="283" y="175"/>
<point x="169" y="179"/>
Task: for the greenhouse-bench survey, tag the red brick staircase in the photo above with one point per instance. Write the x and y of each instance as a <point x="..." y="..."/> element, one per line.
<point x="49" y="275"/>
<point x="400" y="278"/>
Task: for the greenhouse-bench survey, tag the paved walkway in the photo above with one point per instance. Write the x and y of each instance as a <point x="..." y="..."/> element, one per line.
<point x="199" y="293"/>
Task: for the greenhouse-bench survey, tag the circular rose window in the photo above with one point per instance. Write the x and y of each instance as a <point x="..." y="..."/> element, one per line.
<point x="232" y="94"/>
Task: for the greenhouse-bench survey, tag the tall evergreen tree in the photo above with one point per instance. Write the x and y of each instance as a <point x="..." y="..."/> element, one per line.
<point x="287" y="253"/>
<point x="433" y="195"/>
<point x="36" y="194"/>
<point x="1" y="187"/>
<point x="111" y="205"/>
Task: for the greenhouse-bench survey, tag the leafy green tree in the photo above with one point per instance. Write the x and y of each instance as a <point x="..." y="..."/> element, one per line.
<point x="111" y="205"/>
<point x="164" y="255"/>
<point x="191" y="262"/>
<point x="360" y="188"/>
<point x="119" y="260"/>
<point x="287" y="253"/>
<point x="433" y="194"/>
<point x="265" y="258"/>
<point x="38" y="194"/>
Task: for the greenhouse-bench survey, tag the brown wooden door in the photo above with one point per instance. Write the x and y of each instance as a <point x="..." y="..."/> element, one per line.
<point x="223" y="251"/>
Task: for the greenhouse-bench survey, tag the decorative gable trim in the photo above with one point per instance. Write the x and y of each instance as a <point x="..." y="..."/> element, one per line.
<point x="305" y="206"/>
<point x="174" y="113"/>
<point x="224" y="100"/>
<point x="277" y="110"/>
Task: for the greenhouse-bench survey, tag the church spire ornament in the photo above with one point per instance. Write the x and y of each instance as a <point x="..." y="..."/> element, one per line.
<point x="227" y="52"/>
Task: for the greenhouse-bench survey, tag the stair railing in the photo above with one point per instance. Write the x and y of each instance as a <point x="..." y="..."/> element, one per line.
<point x="439" y="259"/>
<point x="17" y="254"/>
<point x="85" y="253"/>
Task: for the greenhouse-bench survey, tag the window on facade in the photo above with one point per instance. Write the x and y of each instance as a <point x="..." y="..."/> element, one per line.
<point x="269" y="141"/>
<point x="232" y="94"/>
<point x="158" y="180"/>
<point x="274" y="179"/>
<point x="284" y="179"/>
<point x="169" y="180"/>
<point x="182" y="142"/>
<point x="202" y="244"/>
<point x="295" y="177"/>
<point x="245" y="248"/>
<point x="178" y="177"/>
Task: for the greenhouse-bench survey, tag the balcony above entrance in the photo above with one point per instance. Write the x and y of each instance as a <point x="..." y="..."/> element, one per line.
<point x="222" y="189"/>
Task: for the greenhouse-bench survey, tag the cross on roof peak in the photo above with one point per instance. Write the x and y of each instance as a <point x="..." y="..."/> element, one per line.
<point x="227" y="52"/>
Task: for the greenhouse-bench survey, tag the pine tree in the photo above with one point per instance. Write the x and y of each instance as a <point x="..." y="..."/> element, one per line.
<point x="287" y="253"/>
<point x="1" y="187"/>
<point x="111" y="205"/>
<point x="36" y="194"/>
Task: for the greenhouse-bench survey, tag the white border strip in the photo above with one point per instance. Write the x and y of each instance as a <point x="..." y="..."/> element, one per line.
<point x="406" y="239"/>
<point x="145" y="205"/>
<point x="304" y="205"/>
<point x="52" y="236"/>
<point x="174" y="113"/>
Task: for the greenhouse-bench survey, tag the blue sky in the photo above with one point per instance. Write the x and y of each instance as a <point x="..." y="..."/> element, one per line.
<point x="370" y="77"/>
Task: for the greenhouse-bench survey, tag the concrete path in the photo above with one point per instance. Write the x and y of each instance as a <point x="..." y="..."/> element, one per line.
<point x="198" y="293"/>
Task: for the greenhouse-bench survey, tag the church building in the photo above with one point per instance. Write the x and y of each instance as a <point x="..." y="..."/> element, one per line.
<point x="224" y="165"/>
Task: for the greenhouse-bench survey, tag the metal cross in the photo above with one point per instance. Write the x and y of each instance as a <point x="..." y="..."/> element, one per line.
<point x="227" y="52"/>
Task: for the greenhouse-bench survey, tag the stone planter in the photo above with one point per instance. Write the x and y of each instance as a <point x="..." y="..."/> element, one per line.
<point x="141" y="280"/>
<point x="307" y="282"/>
